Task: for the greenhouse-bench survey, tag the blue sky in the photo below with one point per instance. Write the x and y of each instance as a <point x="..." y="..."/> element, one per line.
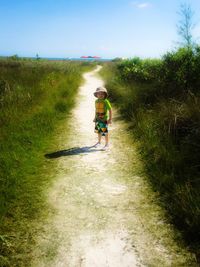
<point x="107" y="28"/>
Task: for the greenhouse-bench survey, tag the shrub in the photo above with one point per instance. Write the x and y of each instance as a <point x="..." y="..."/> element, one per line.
<point x="34" y="95"/>
<point x="162" y="99"/>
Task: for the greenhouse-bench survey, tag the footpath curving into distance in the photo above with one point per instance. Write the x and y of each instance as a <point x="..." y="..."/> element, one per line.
<point x="104" y="213"/>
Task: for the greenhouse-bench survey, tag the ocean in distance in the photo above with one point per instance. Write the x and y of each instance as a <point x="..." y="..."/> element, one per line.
<point x="57" y="58"/>
<point x="79" y="59"/>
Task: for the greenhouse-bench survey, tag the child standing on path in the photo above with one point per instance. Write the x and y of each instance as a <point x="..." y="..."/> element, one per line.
<point x="102" y="107"/>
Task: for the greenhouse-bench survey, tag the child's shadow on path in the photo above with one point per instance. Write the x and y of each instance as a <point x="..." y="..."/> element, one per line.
<point x="71" y="151"/>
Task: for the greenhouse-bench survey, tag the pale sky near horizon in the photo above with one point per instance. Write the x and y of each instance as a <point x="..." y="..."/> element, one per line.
<point x="106" y="28"/>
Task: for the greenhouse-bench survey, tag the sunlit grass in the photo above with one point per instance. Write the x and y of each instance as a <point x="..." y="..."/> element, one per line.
<point x="34" y="98"/>
<point x="161" y="99"/>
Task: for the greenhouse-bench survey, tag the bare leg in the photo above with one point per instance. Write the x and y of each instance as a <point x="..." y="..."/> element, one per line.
<point x="99" y="138"/>
<point x="106" y="137"/>
<point x="99" y="141"/>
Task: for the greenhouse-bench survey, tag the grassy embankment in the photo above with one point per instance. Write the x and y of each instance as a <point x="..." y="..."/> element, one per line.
<point x="162" y="99"/>
<point x="34" y="98"/>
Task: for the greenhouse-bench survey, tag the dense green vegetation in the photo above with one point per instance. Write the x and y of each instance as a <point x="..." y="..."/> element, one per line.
<point x="34" y="97"/>
<point x="162" y="99"/>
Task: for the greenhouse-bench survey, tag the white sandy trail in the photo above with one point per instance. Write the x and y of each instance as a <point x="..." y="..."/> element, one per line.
<point x="104" y="212"/>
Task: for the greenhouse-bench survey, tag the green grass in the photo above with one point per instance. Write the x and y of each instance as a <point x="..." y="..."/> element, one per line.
<point x="162" y="99"/>
<point x="34" y="98"/>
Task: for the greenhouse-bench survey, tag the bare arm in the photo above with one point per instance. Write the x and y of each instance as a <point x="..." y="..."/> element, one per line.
<point x="94" y="120"/>
<point x="110" y="116"/>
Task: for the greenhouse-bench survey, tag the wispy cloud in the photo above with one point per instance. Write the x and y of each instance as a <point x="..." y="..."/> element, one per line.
<point x="141" y="5"/>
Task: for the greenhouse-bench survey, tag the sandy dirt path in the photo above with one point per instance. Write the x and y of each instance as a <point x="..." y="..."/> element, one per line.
<point x="104" y="212"/>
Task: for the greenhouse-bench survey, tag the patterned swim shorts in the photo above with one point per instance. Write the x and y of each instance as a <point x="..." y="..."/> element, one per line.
<point x="101" y="127"/>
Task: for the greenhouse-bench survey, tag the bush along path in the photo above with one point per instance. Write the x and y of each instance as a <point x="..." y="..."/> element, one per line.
<point x="161" y="99"/>
<point x="102" y="210"/>
<point x="35" y="97"/>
